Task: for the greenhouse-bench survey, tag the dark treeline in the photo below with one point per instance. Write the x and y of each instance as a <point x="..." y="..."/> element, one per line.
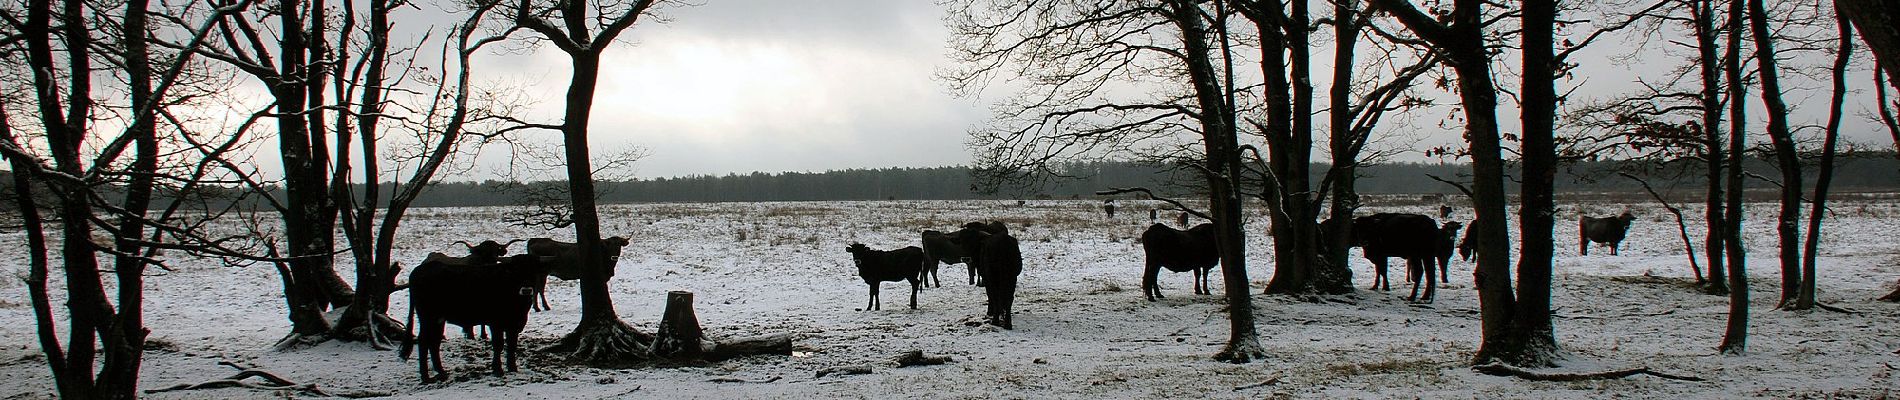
<point x="1869" y="172"/>
<point x="1872" y="171"/>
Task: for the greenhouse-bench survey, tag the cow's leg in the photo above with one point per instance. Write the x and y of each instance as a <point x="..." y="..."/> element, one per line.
<point x="1444" y="269"/>
<point x="514" y="350"/>
<point x="1411" y="269"/>
<point x="1614" y="246"/>
<point x="1378" y="274"/>
<point x="913" y="293"/>
<point x="429" y="347"/>
<point x="872" y="303"/>
<point x="1431" y="285"/>
<point x="496" y="345"/>
<point x="1149" y="275"/>
<point x="972" y="267"/>
<point x="1006" y="312"/>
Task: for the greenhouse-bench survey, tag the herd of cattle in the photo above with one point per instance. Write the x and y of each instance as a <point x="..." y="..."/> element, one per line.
<point x="995" y="260"/>
<point x="489" y="289"/>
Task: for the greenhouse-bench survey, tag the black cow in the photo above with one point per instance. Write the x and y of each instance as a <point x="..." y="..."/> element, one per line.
<point x="877" y="266"/>
<point x="567" y="259"/>
<point x="1001" y="261"/>
<point x="1447" y="234"/>
<point x="1108" y="207"/>
<point x="1608" y="230"/>
<point x="944" y="248"/>
<point x="970" y="238"/>
<point x="487" y="252"/>
<point x="496" y="295"/>
<point x="1196" y="249"/>
<point x="1411" y="237"/>
<point x="1467" y="250"/>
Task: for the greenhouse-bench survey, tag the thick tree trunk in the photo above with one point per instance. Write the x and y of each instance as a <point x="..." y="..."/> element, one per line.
<point x="1879" y="24"/>
<point x="601" y="336"/>
<point x="1787" y="223"/>
<point x="1345" y="154"/>
<point x="1536" y="217"/>
<point x="1804" y="299"/>
<point x="1735" y="337"/>
<point x="1711" y="99"/>
<point x="1222" y="147"/>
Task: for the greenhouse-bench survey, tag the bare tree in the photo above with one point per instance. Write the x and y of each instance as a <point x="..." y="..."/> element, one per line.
<point x="1879" y="24"/>
<point x="1291" y="199"/>
<point x="100" y="358"/>
<point x="1075" y="58"/>
<point x="1509" y="336"/>
<point x="584" y="30"/>
<point x="1787" y="158"/>
<point x="441" y="129"/>
<point x="1735" y="337"/>
<point x="1354" y="113"/>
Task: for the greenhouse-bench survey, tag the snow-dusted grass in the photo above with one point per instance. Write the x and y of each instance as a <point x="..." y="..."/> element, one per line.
<point x="1083" y="329"/>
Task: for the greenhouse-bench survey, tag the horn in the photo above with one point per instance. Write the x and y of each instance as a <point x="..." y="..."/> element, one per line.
<point x="512" y="242"/>
<point x="465" y="243"/>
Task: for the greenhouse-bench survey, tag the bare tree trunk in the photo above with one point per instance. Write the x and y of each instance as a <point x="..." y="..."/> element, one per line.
<point x="1735" y="337"/>
<point x="1787" y="224"/>
<point x="1711" y="99"/>
<point x="1879" y="25"/>
<point x="1805" y="299"/>
<point x="1461" y="40"/>
<point x="1298" y="267"/>
<point x="1538" y="211"/>
<point x="1343" y="174"/>
<point x="1223" y="150"/>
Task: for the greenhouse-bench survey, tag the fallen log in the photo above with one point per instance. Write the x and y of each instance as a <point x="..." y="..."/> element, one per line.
<point x="917" y="357"/>
<point x="1497" y="369"/>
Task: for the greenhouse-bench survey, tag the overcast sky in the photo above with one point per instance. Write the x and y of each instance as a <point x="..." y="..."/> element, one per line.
<point x="736" y="86"/>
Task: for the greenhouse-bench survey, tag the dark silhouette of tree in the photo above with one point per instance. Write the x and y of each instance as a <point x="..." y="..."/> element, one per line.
<point x="1461" y="36"/>
<point x="584" y="30"/>
<point x="1735" y="337"/>
<point x="101" y="355"/>
<point x="1071" y="56"/>
<point x="1781" y="138"/>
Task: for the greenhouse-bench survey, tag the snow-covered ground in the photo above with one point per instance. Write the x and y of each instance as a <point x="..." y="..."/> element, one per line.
<point x="1083" y="329"/>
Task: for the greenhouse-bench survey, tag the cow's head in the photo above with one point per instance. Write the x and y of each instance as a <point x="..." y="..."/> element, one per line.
<point x="487" y="251"/>
<point x="858" y="252"/>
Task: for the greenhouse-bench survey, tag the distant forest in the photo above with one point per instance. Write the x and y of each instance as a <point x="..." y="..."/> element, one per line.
<point x="1866" y="172"/>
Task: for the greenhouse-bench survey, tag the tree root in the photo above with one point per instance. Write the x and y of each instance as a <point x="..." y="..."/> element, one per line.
<point x="604" y="342"/>
<point x="1497" y="369"/>
<point x="271" y="382"/>
<point x="1241" y="351"/>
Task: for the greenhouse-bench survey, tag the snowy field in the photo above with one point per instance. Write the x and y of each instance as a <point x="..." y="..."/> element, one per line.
<point x="1083" y="330"/>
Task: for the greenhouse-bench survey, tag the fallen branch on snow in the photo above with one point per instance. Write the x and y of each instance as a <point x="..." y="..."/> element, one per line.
<point x="1520" y="373"/>
<point x="846" y="370"/>
<point x="737" y="380"/>
<point x="1269" y="382"/>
<point x="1655" y="314"/>
<point x="271" y="382"/>
<point x="917" y="357"/>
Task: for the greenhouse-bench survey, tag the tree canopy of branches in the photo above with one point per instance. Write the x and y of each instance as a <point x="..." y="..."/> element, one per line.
<point x="1134" y="79"/>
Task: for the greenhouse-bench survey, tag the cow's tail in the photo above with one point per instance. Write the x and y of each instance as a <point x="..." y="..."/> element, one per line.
<point x="409" y="340"/>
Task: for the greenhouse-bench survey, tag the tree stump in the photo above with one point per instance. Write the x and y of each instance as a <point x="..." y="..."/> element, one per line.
<point x="680" y="338"/>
